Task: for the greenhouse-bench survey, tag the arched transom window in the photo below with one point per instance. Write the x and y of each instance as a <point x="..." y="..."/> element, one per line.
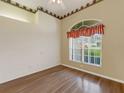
<point x="85" y="42"/>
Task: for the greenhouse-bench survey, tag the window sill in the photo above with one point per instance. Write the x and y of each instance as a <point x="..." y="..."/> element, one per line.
<point x="76" y="61"/>
<point x="92" y="64"/>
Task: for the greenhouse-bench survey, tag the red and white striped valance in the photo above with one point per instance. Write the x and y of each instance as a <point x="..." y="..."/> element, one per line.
<point x="86" y="31"/>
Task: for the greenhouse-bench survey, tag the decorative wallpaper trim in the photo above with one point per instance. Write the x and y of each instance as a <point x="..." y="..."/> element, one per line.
<point x="48" y="12"/>
<point x="19" y="6"/>
<point x="81" y="8"/>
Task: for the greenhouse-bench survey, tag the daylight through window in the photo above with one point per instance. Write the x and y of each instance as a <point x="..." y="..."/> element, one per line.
<point x="86" y="45"/>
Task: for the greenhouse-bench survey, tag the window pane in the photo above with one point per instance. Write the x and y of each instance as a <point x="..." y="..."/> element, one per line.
<point x="86" y="59"/>
<point x="85" y="51"/>
<point x="86" y="39"/>
<point x="78" y="54"/>
<point x="97" y="52"/>
<point x="97" y="60"/>
<point x="77" y="50"/>
<point x="91" y="51"/>
<point x="91" y="60"/>
<point x="99" y="44"/>
<point x="70" y="48"/>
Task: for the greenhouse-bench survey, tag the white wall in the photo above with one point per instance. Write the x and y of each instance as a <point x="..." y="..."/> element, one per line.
<point x="26" y="48"/>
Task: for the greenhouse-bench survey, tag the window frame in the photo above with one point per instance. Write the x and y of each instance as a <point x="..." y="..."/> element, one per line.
<point x="96" y="65"/>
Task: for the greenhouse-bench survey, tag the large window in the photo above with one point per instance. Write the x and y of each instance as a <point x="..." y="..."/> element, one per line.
<point x="86" y="49"/>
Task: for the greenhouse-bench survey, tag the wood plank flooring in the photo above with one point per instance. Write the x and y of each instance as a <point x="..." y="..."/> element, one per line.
<point x="61" y="79"/>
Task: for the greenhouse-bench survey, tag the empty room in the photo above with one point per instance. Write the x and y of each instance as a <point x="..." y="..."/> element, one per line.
<point x="61" y="46"/>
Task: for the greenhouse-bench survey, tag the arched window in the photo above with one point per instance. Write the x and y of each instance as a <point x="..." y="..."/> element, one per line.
<point x="85" y="42"/>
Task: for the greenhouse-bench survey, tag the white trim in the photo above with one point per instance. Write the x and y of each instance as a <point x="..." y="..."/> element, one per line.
<point x="2" y="82"/>
<point x="96" y="74"/>
<point x="83" y="61"/>
<point x="93" y="64"/>
<point x="77" y="61"/>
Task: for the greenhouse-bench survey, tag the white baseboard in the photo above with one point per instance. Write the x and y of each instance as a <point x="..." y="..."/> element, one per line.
<point x="29" y="73"/>
<point x="96" y="74"/>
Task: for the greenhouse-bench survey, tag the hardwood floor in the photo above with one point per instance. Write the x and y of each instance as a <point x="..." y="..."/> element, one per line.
<point x="61" y="79"/>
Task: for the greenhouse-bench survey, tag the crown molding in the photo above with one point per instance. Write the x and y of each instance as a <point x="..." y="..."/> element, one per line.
<point x="47" y="11"/>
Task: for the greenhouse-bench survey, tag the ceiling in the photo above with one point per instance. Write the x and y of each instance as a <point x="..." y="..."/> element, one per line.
<point x="60" y="10"/>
